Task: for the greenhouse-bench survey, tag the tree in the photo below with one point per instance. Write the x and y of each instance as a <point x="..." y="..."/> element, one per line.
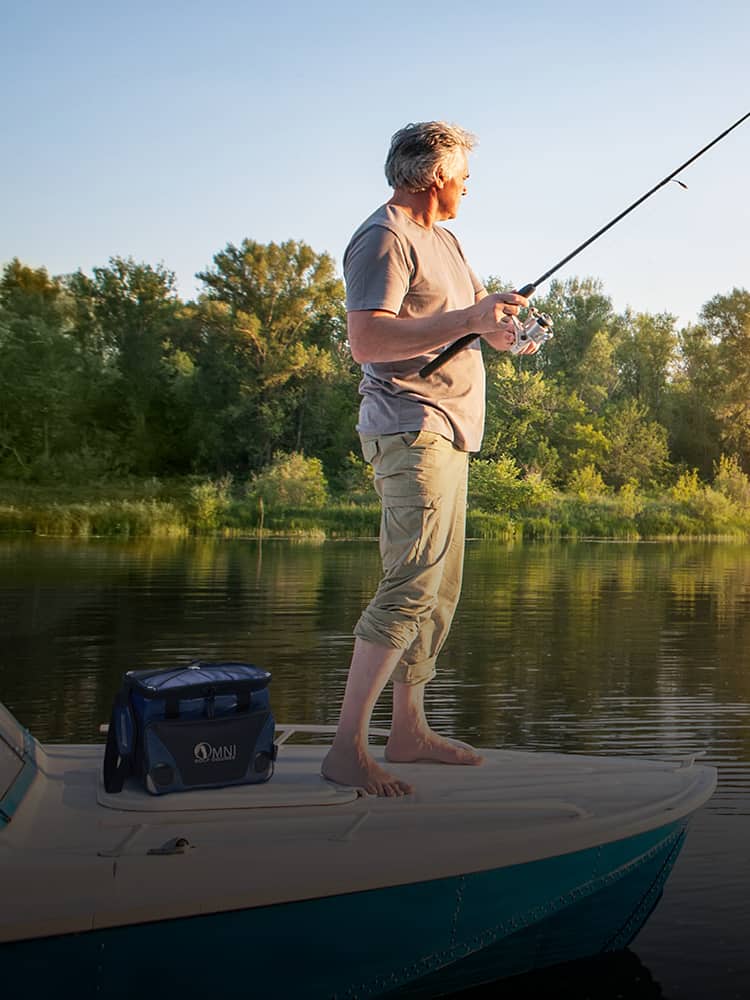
<point x="39" y="369"/>
<point x="708" y="403"/>
<point x="727" y="320"/>
<point x="291" y="290"/>
<point x="579" y="311"/>
<point x="130" y="313"/>
<point x="647" y="356"/>
<point x="273" y="323"/>
<point x="27" y="292"/>
<point x="637" y="447"/>
<point x="690" y="402"/>
<point x="597" y="376"/>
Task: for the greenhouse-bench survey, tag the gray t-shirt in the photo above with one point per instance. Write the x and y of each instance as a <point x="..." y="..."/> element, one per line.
<point x="394" y="264"/>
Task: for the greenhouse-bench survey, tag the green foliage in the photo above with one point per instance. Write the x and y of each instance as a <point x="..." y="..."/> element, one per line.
<point x="586" y="483"/>
<point x="588" y="444"/>
<point x="631" y="501"/>
<point x="647" y="355"/>
<point x="356" y="481"/>
<point x="127" y="320"/>
<point x="580" y="311"/>
<point x="109" y="375"/>
<point x="41" y="372"/>
<point x="728" y="320"/>
<point x="526" y="415"/>
<point x="731" y="481"/>
<point x="697" y="509"/>
<point x="291" y="480"/>
<point x="498" y="487"/>
<point x="272" y="323"/>
<point x="637" y="447"/>
<point x="710" y="396"/>
<point x="687" y="488"/>
<point x="594" y="517"/>
<point x="492" y="527"/>
<point x="121" y="518"/>
<point x="597" y="374"/>
<point x="210" y="501"/>
<point x="690" y="410"/>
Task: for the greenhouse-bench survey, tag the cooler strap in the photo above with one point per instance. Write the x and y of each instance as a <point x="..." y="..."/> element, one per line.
<point x="117" y="765"/>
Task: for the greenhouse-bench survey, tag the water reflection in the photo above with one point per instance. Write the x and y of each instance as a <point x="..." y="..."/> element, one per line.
<point x="596" y="648"/>
<point x="576" y="647"/>
<point x="620" y="976"/>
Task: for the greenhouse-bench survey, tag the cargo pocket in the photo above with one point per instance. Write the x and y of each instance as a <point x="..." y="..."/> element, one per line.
<point x="423" y="439"/>
<point x="369" y="450"/>
<point x="409" y="524"/>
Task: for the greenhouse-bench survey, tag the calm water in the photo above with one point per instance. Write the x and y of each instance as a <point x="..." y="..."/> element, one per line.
<point x="588" y="647"/>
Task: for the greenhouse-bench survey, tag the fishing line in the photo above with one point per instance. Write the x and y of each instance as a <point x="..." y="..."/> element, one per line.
<point x="527" y="290"/>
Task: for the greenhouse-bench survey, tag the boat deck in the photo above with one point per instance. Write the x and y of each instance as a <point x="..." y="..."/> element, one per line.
<point x="130" y="857"/>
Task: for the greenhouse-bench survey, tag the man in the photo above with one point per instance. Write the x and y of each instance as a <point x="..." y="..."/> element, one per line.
<point x="410" y="292"/>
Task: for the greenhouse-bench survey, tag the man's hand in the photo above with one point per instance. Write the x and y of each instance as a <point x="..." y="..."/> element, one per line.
<point x="492" y="317"/>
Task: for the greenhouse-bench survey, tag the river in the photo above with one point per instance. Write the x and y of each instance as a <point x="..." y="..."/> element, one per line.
<point x="591" y="647"/>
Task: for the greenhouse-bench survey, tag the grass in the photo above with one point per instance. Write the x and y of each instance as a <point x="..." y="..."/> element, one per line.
<point x="168" y="509"/>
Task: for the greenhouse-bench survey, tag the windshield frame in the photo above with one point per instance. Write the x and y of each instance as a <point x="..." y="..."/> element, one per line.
<point x="17" y="745"/>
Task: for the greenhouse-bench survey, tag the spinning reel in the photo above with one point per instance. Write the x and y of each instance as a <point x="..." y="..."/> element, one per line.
<point x="535" y="329"/>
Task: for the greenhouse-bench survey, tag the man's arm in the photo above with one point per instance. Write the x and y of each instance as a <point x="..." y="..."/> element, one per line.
<point x="379" y="336"/>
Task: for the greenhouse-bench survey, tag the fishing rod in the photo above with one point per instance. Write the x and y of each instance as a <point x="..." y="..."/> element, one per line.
<point x="527" y="290"/>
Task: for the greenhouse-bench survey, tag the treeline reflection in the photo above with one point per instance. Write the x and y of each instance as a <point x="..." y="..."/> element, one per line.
<point x="584" y="647"/>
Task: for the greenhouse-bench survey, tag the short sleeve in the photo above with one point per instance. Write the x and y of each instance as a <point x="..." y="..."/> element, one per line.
<point x="477" y="284"/>
<point x="376" y="271"/>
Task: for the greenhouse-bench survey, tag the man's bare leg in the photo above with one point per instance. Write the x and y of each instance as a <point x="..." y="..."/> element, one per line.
<point x="349" y="761"/>
<point x="412" y="739"/>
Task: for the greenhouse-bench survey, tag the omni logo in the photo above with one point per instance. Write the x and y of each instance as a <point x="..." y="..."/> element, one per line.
<point x="207" y="753"/>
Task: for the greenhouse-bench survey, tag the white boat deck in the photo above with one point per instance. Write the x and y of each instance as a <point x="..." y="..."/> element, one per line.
<point x="74" y="857"/>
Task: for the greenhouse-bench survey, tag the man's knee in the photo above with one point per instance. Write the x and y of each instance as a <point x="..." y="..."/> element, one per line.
<point x="387" y="627"/>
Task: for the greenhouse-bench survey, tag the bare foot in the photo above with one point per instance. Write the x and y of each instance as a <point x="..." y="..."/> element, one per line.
<point x="356" y="768"/>
<point x="427" y="745"/>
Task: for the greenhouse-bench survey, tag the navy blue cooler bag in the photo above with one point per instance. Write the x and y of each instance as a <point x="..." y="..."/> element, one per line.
<point x="206" y="725"/>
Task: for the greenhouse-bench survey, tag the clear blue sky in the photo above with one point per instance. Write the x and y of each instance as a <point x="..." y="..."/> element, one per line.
<point x="165" y="130"/>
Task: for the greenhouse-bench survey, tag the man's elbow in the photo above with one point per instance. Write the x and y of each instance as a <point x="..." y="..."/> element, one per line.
<point x="360" y="342"/>
<point x="356" y="348"/>
<point x="365" y="333"/>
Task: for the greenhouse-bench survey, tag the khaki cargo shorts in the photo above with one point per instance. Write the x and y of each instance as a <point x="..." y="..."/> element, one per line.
<point x="420" y="477"/>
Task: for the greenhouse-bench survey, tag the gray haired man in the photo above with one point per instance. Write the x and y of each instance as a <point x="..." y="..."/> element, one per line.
<point x="409" y="293"/>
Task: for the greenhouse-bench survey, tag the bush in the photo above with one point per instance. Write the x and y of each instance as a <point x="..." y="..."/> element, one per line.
<point x="209" y="501"/>
<point x="731" y="481"/>
<point x="291" y="480"/>
<point x="687" y="489"/>
<point x="702" y="510"/>
<point x="586" y="483"/>
<point x="497" y="487"/>
<point x="630" y="501"/>
<point x="356" y="481"/>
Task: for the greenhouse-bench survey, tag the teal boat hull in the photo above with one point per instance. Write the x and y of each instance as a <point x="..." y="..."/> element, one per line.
<point x="425" y="939"/>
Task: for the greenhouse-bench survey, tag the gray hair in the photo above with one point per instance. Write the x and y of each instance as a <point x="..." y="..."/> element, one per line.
<point x="420" y="149"/>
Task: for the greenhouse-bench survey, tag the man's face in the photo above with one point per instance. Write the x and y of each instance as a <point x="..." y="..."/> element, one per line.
<point x="453" y="190"/>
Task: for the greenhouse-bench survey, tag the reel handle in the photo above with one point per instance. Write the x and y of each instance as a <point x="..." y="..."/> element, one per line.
<point x="458" y="345"/>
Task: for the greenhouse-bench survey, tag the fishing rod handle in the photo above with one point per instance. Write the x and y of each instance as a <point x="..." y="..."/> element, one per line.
<point x="458" y="345"/>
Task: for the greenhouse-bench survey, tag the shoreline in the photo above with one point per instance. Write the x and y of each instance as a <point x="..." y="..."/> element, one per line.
<point x="127" y="511"/>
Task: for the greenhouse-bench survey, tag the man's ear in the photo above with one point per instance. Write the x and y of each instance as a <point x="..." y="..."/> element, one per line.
<point x="440" y="178"/>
